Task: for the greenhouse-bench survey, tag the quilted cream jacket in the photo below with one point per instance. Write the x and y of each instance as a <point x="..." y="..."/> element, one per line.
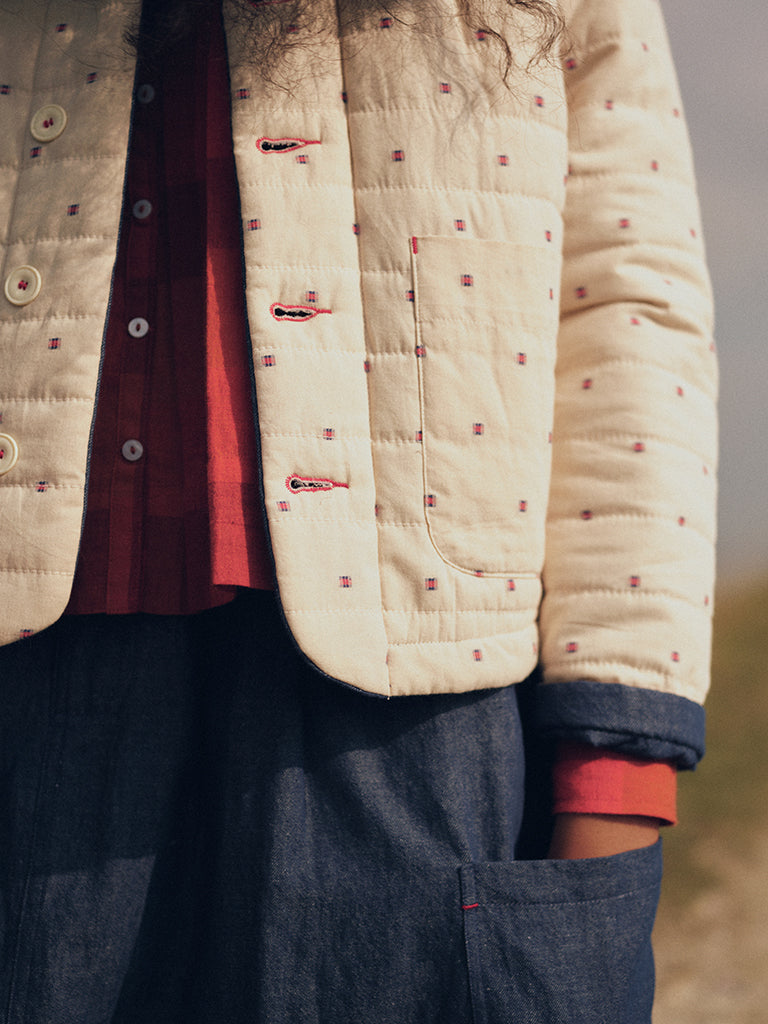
<point x="481" y="342"/>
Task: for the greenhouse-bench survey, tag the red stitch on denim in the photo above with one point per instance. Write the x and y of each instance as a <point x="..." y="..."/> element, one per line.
<point x="287" y="145"/>
<point x="283" y="312"/>
<point x="296" y="483"/>
<point x="469" y="906"/>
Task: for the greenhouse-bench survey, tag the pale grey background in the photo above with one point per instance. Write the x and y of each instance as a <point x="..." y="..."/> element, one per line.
<point x="721" y="51"/>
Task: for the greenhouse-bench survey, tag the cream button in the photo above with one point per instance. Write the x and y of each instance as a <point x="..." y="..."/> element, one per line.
<point x="142" y="209"/>
<point x="23" y="285"/>
<point x="132" y="450"/>
<point x="138" y="327"/>
<point x="9" y="453"/>
<point x="145" y="93"/>
<point x="48" y="122"/>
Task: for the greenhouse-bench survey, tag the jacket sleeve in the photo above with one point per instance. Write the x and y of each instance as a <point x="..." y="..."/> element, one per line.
<point x="629" y="566"/>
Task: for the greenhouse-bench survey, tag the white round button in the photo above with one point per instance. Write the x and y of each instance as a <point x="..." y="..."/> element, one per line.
<point x="132" y="450"/>
<point x="145" y="93"/>
<point x="9" y="453"/>
<point x="142" y="209"/>
<point x="48" y="122"/>
<point x="138" y="327"/>
<point x="23" y="285"/>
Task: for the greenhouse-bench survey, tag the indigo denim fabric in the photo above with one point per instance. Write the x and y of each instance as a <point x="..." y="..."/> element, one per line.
<point x="198" y="828"/>
<point x="659" y="726"/>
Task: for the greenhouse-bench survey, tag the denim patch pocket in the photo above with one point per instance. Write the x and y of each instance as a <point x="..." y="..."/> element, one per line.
<point x="562" y="942"/>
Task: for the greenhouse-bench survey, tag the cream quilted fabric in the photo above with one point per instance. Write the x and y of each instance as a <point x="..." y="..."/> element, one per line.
<point x="452" y="286"/>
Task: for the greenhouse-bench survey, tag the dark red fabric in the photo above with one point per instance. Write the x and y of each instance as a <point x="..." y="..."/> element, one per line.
<point x="179" y="528"/>
<point x="590" y="781"/>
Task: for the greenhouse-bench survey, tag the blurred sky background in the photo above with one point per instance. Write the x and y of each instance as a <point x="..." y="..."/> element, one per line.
<point x="721" y="51"/>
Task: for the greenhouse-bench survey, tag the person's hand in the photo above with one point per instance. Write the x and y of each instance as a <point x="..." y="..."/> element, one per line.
<point x="577" y="836"/>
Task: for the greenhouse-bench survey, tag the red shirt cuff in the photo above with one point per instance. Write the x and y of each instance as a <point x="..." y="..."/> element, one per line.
<point x="592" y="781"/>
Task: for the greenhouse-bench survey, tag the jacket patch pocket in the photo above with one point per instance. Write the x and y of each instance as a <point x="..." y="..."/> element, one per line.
<point x="486" y="327"/>
<point x="562" y="942"/>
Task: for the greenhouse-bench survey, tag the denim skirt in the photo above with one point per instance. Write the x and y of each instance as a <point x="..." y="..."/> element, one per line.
<point x="198" y="828"/>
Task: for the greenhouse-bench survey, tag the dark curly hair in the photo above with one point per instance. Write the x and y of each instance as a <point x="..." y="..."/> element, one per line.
<point x="274" y="27"/>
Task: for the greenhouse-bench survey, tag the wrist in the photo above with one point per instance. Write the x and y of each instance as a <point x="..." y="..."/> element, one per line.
<point x="579" y="836"/>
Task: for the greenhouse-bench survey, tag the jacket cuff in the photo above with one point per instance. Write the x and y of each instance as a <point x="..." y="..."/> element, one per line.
<point x="640" y="722"/>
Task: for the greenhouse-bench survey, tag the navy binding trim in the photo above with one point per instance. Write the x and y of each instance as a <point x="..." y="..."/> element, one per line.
<point x="642" y="722"/>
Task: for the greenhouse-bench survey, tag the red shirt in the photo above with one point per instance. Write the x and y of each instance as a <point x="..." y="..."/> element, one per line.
<point x="174" y="521"/>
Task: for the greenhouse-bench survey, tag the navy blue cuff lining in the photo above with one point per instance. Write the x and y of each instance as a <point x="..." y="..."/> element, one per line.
<point x="641" y="722"/>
